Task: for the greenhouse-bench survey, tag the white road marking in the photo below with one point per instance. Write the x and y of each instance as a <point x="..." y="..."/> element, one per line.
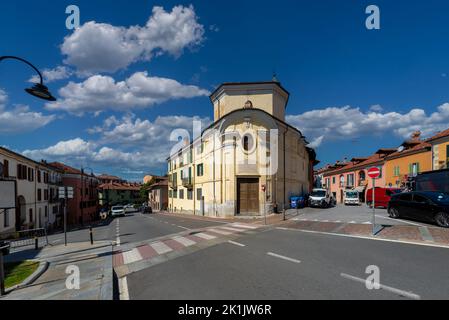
<point x="283" y="257"/>
<point x="366" y="238"/>
<point x="183" y="227"/>
<point x="117" y="241"/>
<point x="402" y="293"/>
<point x="225" y="233"/>
<point x="408" y="222"/>
<point x="231" y="229"/>
<point x="131" y="256"/>
<point x="352" y="222"/>
<point x="367" y="222"/>
<point x="161" y="247"/>
<point x="338" y="221"/>
<point x="56" y="241"/>
<point x="184" y="241"/>
<point x="205" y="236"/>
<point x="237" y="244"/>
<point x="243" y="226"/>
<point x="123" y="288"/>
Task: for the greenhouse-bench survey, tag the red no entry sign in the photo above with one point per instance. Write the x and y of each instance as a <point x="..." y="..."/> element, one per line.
<point x="374" y="173"/>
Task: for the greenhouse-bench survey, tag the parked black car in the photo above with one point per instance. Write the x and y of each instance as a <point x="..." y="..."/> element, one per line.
<point x="423" y="206"/>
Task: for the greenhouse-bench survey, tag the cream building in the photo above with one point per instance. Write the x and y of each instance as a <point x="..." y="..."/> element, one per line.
<point x="37" y="205"/>
<point x="248" y="162"/>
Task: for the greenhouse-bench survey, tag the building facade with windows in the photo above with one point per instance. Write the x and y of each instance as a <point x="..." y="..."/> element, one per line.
<point x="352" y="175"/>
<point x="84" y="206"/>
<point x="34" y="206"/>
<point x="411" y="158"/>
<point x="440" y="150"/>
<point x="248" y="162"/>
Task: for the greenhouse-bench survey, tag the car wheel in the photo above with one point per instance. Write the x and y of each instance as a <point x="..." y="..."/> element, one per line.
<point x="442" y="219"/>
<point x="394" y="213"/>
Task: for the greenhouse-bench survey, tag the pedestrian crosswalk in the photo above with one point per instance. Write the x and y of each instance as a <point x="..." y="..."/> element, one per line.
<point x="165" y="246"/>
<point x="330" y="221"/>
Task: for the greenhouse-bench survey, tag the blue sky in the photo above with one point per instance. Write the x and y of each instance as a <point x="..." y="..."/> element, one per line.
<point x="353" y="90"/>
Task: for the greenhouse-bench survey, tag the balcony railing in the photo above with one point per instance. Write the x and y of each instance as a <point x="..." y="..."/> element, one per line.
<point x="173" y="184"/>
<point x="187" y="183"/>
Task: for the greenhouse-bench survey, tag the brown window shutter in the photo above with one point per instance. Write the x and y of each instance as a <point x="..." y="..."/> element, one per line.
<point x="19" y="171"/>
<point x="6" y="168"/>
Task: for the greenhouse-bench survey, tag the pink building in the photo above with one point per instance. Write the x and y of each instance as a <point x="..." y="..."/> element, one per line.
<point x="83" y="208"/>
<point x="352" y="175"/>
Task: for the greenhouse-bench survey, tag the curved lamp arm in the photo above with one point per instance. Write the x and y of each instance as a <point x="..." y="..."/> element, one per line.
<point x="25" y="61"/>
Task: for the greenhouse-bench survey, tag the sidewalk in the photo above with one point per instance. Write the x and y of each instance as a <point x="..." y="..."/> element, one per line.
<point x="94" y="263"/>
<point x="271" y="219"/>
<point x="412" y="234"/>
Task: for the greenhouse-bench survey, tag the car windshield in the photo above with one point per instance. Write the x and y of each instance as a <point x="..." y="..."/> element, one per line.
<point x="319" y="194"/>
<point x="352" y="194"/>
<point x="117" y="208"/>
<point x="440" y="197"/>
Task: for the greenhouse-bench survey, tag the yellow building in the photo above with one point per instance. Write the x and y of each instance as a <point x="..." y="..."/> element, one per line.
<point x="440" y="150"/>
<point x="248" y="162"/>
<point x="412" y="157"/>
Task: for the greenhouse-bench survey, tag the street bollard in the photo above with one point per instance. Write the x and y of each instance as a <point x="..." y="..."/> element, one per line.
<point x="91" y="236"/>
<point x="2" y="275"/>
<point x="36" y="243"/>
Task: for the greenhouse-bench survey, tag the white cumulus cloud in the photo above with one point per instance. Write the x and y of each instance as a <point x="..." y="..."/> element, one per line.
<point x="99" y="93"/>
<point x="101" y="47"/>
<point x="20" y="118"/>
<point x="340" y="123"/>
<point x="51" y="75"/>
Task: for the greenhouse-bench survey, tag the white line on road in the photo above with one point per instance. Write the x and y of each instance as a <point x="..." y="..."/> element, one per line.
<point x="411" y="223"/>
<point x="283" y="257"/>
<point x="124" y="293"/>
<point x="243" y="226"/>
<point x="231" y="229"/>
<point x="225" y="233"/>
<point x="205" y="236"/>
<point x="161" y="247"/>
<point x="131" y="256"/>
<point x="402" y="293"/>
<point x="365" y="238"/>
<point x="237" y="244"/>
<point x="183" y="227"/>
<point x="184" y="241"/>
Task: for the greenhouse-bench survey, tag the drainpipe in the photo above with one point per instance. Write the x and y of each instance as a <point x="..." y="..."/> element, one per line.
<point x="285" y="134"/>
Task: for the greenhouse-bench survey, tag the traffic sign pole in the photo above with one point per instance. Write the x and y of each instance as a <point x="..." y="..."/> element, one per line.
<point x="374" y="207"/>
<point x="374" y="173"/>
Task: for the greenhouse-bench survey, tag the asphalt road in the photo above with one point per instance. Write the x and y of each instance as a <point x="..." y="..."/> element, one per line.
<point x="134" y="227"/>
<point x="283" y="264"/>
<point x="353" y="214"/>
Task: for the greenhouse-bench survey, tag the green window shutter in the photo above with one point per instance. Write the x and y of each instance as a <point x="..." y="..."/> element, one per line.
<point x="410" y="168"/>
<point x="418" y="170"/>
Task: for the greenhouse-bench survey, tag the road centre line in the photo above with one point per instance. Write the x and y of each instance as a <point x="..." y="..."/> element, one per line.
<point x="236" y="243"/>
<point x="400" y="292"/>
<point x="283" y="257"/>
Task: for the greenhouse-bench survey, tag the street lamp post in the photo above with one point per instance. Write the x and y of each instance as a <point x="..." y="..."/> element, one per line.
<point x="39" y="90"/>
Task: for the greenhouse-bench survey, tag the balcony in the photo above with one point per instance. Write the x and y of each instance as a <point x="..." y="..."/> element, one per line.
<point x="187" y="183"/>
<point x="173" y="184"/>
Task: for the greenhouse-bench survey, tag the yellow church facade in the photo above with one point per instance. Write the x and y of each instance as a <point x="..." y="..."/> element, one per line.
<point x="248" y="162"/>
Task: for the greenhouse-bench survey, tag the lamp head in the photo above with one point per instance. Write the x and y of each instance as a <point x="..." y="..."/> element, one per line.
<point x="40" y="91"/>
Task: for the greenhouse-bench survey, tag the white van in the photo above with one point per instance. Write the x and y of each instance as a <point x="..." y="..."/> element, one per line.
<point x="352" y="198"/>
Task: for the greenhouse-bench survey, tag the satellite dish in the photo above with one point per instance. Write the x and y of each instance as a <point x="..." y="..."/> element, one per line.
<point x="401" y="148"/>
